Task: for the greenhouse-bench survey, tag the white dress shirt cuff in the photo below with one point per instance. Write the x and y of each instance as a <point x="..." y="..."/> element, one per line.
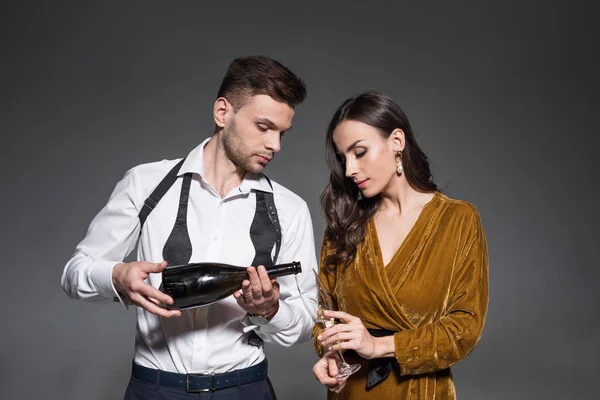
<point x="280" y="321"/>
<point x="101" y="274"/>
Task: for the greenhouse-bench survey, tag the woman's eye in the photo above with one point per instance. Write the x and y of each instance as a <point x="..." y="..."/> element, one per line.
<point x="362" y="153"/>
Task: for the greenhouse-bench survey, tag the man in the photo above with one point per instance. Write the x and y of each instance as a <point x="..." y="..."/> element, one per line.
<point x="213" y="206"/>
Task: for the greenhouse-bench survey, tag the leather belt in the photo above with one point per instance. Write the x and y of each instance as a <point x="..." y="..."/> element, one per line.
<point x="194" y="383"/>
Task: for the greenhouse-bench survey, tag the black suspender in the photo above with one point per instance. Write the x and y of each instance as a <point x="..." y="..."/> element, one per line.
<point x="178" y="247"/>
<point x="271" y="212"/>
<point x="275" y="220"/>
<point x="158" y="193"/>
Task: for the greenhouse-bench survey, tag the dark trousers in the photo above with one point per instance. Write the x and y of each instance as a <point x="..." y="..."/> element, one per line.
<point x="139" y="390"/>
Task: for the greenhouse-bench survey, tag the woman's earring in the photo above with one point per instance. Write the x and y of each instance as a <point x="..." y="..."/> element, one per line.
<point x="399" y="168"/>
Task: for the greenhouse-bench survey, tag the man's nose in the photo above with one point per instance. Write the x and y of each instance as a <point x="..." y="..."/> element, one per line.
<point x="273" y="141"/>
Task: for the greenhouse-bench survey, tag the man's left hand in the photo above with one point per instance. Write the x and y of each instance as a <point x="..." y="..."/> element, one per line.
<point x="259" y="294"/>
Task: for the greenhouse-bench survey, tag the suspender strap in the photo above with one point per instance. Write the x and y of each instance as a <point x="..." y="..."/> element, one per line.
<point x="262" y="232"/>
<point x="158" y="193"/>
<point x="275" y="221"/>
<point x="272" y="212"/>
<point x="178" y="247"/>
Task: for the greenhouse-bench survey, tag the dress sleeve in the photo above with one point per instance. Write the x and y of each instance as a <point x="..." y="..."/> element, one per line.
<point x="440" y="344"/>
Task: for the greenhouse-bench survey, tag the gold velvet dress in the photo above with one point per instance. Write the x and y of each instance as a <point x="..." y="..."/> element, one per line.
<point x="433" y="293"/>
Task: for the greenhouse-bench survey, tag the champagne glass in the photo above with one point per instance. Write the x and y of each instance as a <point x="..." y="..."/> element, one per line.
<point x="319" y="318"/>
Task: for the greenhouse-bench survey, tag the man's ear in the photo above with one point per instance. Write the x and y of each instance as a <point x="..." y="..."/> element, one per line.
<point x="220" y="110"/>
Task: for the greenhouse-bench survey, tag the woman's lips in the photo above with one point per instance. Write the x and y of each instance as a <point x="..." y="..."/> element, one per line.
<point x="362" y="184"/>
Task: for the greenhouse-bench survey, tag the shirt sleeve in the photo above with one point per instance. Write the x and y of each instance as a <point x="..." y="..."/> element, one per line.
<point x="111" y="236"/>
<point x="292" y="323"/>
<point x="443" y="343"/>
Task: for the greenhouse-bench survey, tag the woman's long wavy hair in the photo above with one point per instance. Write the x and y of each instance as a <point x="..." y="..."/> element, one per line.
<point x="346" y="211"/>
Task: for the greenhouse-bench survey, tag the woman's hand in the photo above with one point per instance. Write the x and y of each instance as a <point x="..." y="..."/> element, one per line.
<point x="326" y="370"/>
<point x="351" y="334"/>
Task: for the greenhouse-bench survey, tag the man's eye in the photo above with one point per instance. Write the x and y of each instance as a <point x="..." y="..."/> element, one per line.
<point x="263" y="128"/>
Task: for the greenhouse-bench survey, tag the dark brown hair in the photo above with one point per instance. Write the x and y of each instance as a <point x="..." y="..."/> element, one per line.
<point x="252" y="75"/>
<point x="346" y="211"/>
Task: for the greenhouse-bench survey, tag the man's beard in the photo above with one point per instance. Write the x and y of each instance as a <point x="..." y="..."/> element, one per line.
<point x="236" y="152"/>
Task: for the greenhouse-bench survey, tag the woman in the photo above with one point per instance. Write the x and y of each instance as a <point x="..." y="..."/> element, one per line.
<point x="406" y="265"/>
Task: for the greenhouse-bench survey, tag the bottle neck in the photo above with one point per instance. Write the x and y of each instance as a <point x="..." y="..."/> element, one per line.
<point x="284" y="269"/>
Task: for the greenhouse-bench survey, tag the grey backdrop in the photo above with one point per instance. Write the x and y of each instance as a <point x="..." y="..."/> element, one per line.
<point x="503" y="97"/>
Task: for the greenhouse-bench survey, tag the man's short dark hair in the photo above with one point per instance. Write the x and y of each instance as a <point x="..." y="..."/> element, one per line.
<point x="252" y="75"/>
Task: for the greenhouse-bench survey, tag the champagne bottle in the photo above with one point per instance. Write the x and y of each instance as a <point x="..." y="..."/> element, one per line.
<point x="200" y="284"/>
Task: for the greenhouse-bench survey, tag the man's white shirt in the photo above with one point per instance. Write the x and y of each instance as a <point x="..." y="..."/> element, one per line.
<point x="214" y="338"/>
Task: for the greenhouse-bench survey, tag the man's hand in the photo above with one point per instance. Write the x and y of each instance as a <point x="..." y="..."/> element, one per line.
<point x="326" y="370"/>
<point x="128" y="279"/>
<point x="259" y="294"/>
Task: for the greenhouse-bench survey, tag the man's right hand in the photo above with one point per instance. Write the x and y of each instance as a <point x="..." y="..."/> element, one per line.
<point x="129" y="280"/>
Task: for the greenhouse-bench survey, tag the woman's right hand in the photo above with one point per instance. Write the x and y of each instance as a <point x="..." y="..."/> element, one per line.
<point x="326" y="370"/>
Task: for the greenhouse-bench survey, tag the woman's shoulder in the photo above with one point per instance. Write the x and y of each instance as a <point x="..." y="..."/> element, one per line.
<point x="459" y="208"/>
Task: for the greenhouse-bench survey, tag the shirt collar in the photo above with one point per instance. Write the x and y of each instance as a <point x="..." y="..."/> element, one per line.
<point x="194" y="163"/>
<point x="255" y="182"/>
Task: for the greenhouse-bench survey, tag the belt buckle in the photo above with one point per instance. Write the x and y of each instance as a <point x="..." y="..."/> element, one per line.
<point x="212" y="383"/>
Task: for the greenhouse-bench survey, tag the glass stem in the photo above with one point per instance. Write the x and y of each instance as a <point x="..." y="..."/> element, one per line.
<point x="341" y="358"/>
